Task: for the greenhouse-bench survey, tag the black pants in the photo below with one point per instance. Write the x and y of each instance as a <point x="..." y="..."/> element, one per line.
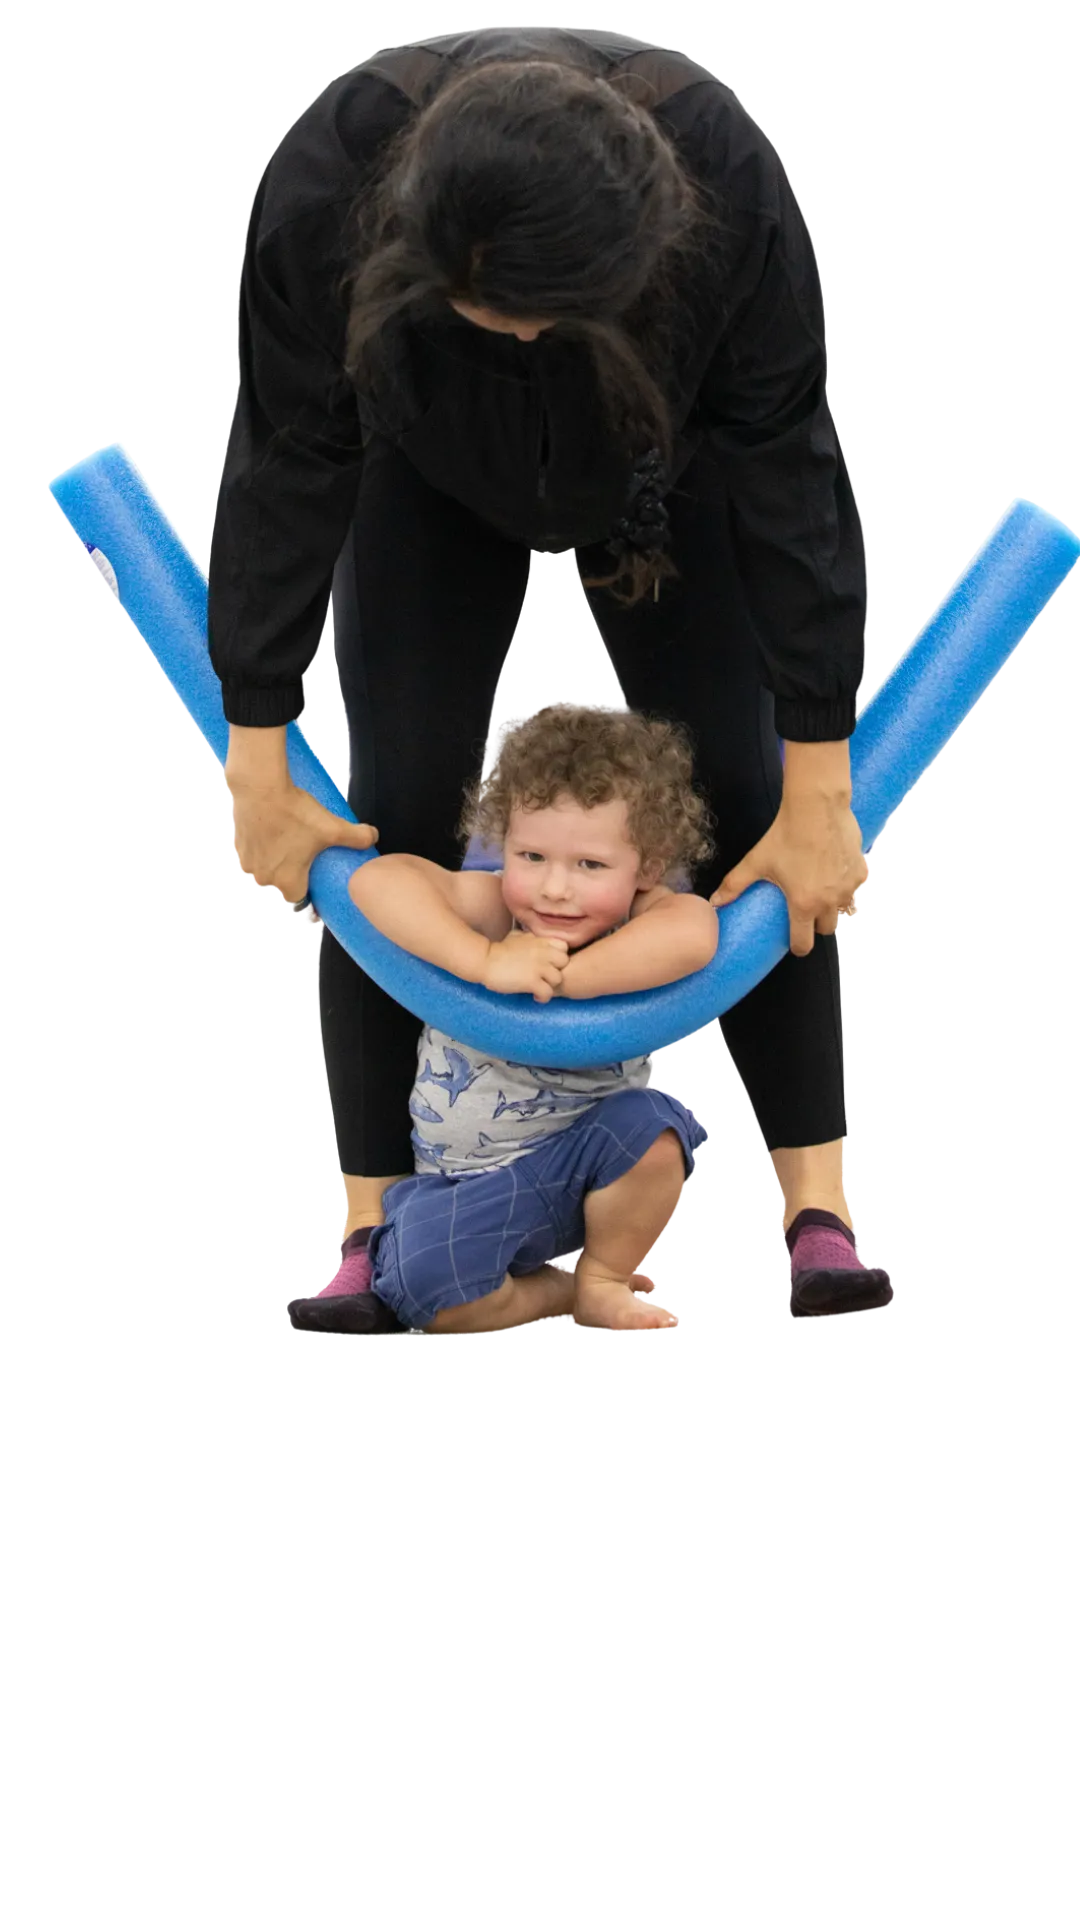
<point x="426" y="599"/>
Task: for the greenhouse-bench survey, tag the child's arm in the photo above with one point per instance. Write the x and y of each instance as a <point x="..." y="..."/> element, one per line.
<point x="448" y="918"/>
<point x="668" y="936"/>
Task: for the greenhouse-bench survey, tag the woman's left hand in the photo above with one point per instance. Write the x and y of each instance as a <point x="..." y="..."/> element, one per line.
<point x="813" y="853"/>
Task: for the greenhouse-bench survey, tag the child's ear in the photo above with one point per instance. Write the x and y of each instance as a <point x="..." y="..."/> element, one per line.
<point x="650" y="876"/>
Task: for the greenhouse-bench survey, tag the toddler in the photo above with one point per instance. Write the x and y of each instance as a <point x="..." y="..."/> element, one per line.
<point x="539" y="1191"/>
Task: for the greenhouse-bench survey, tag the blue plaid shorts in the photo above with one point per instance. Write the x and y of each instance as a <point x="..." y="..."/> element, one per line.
<point x="449" y="1238"/>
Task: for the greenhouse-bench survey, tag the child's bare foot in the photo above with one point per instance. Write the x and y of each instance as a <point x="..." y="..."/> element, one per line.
<point x="606" y="1299"/>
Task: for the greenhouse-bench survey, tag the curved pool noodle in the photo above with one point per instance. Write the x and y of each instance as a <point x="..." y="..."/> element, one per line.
<point x="906" y="724"/>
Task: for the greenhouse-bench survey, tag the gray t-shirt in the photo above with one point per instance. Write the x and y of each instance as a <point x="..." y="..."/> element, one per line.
<point x="472" y="1112"/>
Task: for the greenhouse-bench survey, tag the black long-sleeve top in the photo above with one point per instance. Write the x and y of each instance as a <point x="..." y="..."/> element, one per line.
<point x="754" y="387"/>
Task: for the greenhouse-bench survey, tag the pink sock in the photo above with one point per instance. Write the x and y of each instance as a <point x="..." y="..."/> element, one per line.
<point x="354" y="1273"/>
<point x="827" y="1275"/>
<point x="819" y="1239"/>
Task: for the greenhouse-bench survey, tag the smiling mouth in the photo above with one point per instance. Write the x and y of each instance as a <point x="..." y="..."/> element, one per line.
<point x="563" y="919"/>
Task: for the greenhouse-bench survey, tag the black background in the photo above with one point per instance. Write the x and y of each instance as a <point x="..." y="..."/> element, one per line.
<point x="189" y="1110"/>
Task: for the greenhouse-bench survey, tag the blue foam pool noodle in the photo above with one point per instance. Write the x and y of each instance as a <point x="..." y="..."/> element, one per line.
<point x="900" y="732"/>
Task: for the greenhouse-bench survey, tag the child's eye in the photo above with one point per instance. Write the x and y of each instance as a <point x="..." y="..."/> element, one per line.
<point x="589" y="863"/>
<point x="594" y="863"/>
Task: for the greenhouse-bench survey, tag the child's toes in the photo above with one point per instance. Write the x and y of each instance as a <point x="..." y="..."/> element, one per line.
<point x="662" y="1321"/>
<point x="638" y="1323"/>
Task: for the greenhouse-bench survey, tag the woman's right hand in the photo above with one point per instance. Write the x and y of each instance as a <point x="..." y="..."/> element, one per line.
<point x="279" y="834"/>
<point x="525" y="963"/>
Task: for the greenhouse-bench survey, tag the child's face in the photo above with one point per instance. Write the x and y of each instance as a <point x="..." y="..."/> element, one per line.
<point x="570" y="870"/>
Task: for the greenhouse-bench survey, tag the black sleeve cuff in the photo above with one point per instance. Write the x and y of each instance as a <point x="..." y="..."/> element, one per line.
<point x="815" y="719"/>
<point x="247" y="706"/>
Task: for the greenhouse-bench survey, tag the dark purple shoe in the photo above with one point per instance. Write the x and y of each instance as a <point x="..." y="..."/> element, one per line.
<point x="345" y="1313"/>
<point x="834" y="1289"/>
<point x="343" y="1304"/>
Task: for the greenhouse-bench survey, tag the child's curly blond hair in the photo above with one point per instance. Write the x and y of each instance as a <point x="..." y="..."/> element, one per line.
<point x="596" y="754"/>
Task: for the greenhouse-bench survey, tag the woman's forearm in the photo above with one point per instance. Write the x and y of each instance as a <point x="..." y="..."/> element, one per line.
<point x="258" y="757"/>
<point x="819" y="768"/>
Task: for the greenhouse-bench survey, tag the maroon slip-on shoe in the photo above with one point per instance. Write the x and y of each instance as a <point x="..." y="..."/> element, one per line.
<point x="355" y="1309"/>
<point x="345" y="1313"/>
<point x="818" y="1290"/>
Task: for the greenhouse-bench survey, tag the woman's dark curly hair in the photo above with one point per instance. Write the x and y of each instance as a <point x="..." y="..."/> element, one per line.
<point x="597" y="754"/>
<point x="543" y="191"/>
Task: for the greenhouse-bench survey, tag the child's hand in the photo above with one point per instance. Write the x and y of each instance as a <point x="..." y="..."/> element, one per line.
<point x="560" y="989"/>
<point x="526" y="963"/>
<point x="565" y="978"/>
